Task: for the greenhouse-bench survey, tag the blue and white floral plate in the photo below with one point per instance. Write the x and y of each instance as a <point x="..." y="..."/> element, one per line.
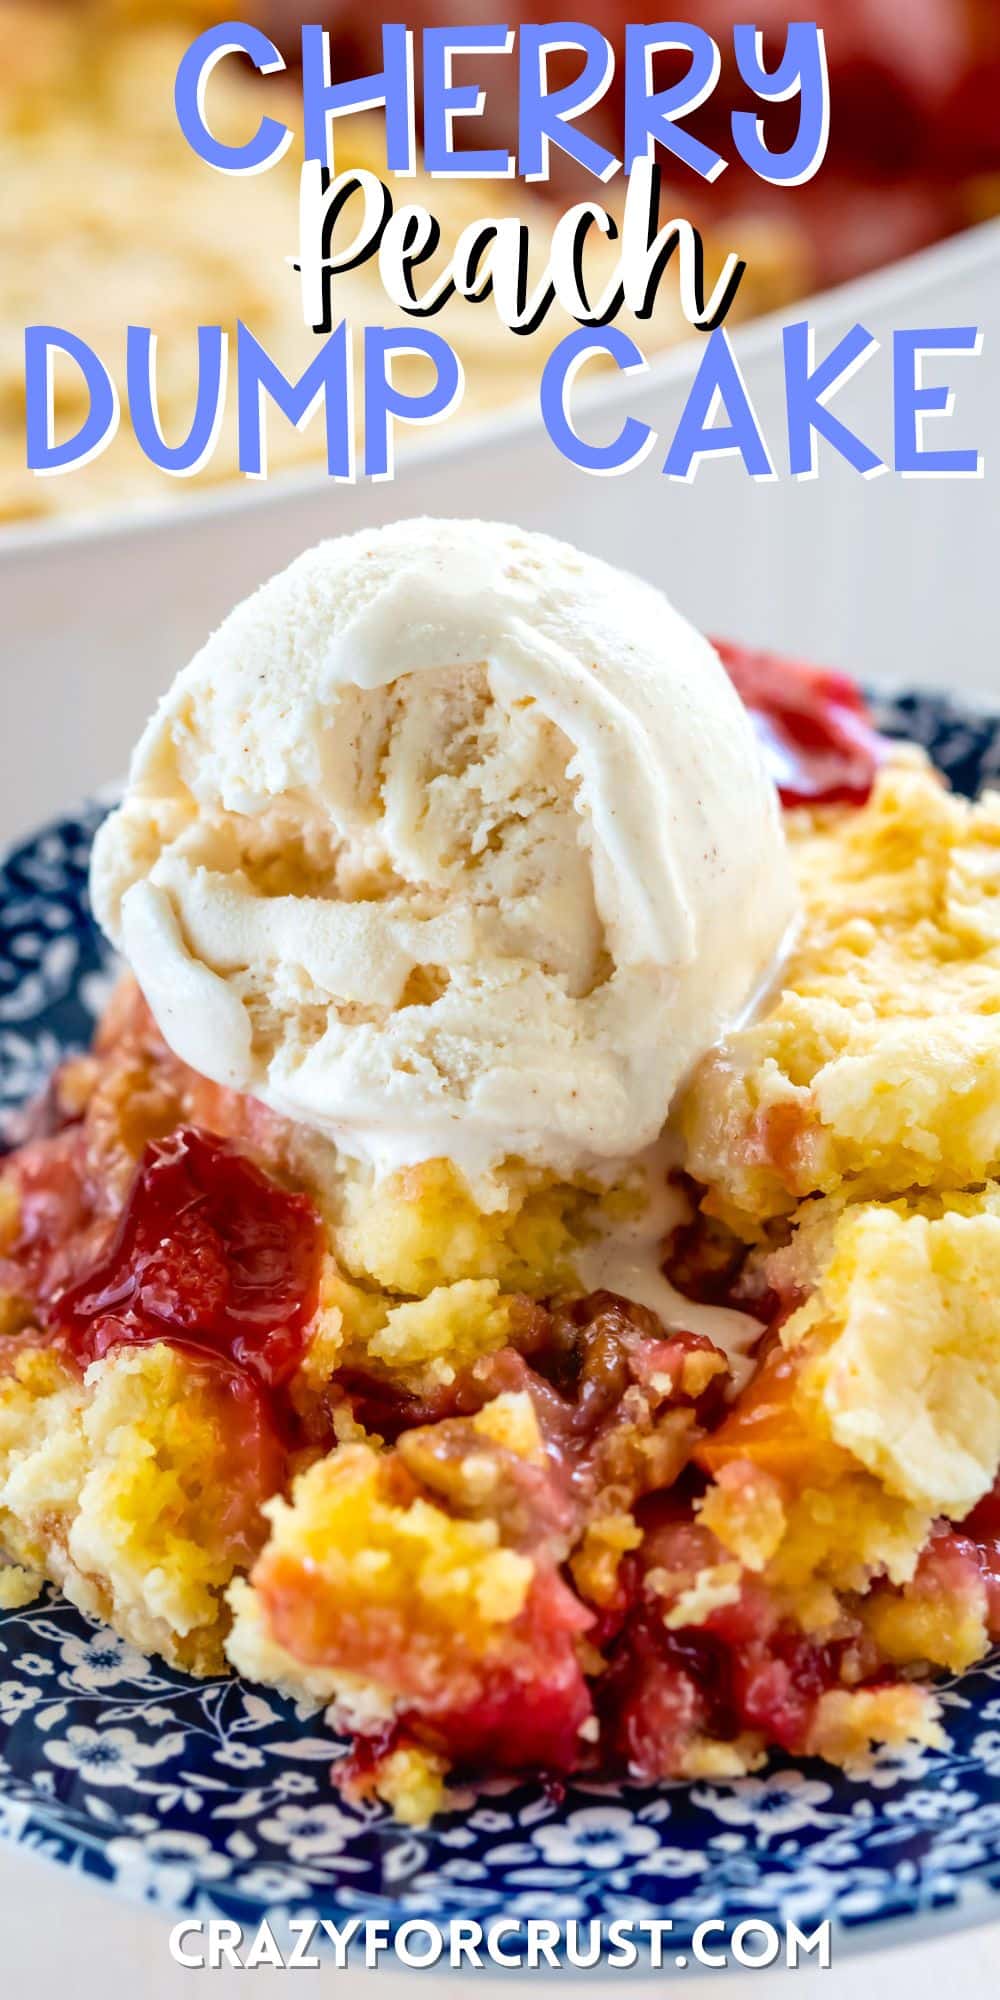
<point x="214" y="1796"/>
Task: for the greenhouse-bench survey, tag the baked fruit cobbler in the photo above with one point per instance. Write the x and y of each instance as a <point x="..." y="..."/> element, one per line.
<point x="112" y="210"/>
<point x="547" y="1469"/>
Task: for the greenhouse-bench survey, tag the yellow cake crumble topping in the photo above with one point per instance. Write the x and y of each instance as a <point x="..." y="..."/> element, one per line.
<point x="878" y="1067"/>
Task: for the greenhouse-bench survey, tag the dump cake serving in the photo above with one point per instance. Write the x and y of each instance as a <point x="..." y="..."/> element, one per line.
<point x="518" y="1267"/>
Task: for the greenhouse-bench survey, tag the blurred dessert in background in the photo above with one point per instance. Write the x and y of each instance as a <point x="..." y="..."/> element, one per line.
<point x="111" y="220"/>
<point x="914" y="151"/>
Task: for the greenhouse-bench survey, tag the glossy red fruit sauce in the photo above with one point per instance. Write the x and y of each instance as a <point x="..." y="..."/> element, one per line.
<point x="977" y="1540"/>
<point x="743" y="1669"/>
<point x="209" y="1254"/>
<point x="816" y="734"/>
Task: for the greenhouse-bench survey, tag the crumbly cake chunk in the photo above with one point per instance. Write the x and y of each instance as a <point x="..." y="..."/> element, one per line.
<point x="132" y="1491"/>
<point x="877" y="1068"/>
<point x="877" y="1414"/>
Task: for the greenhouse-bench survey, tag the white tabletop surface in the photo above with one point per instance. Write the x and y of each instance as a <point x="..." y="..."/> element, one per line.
<point x="63" y="1939"/>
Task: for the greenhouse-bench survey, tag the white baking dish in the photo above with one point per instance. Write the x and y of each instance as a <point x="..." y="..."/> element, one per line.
<point x="893" y="579"/>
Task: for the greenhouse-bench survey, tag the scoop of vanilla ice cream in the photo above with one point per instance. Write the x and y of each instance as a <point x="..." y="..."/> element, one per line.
<point x="451" y="841"/>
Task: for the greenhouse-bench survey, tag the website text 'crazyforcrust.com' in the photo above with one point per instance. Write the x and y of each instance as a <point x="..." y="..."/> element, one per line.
<point x="514" y="1943"/>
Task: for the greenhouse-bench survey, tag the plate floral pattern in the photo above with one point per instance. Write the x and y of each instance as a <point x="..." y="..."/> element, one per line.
<point x="214" y="1796"/>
